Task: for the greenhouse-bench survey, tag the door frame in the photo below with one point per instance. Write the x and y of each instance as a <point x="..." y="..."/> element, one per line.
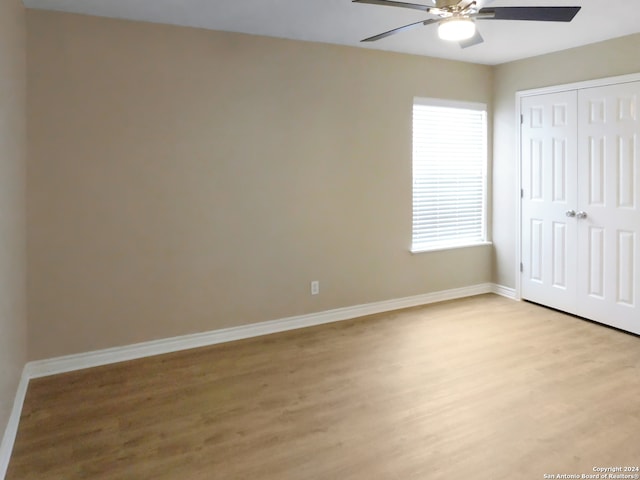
<point x="520" y="94"/>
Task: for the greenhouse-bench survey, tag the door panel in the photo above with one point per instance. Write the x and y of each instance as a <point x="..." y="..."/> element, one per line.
<point x="536" y="250"/>
<point x="595" y="262"/>
<point x="596" y="171"/>
<point x="608" y="179"/>
<point x="549" y="190"/>
<point x="625" y="268"/>
<point x="559" y="253"/>
<point x="559" y="172"/>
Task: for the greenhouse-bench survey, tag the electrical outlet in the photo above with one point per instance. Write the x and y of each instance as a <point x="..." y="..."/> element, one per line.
<point x="315" y="287"/>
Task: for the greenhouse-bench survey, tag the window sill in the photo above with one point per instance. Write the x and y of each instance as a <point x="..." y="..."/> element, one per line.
<point x="448" y="247"/>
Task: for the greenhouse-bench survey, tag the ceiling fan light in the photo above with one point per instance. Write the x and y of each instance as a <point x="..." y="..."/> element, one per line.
<point x="457" y="29"/>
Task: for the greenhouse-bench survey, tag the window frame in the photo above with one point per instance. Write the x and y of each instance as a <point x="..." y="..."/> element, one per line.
<point x="453" y="244"/>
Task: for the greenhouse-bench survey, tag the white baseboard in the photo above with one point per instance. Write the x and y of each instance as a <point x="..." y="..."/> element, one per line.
<point x="80" y="361"/>
<point x="9" y="437"/>
<point x="69" y="363"/>
<point x="504" y="291"/>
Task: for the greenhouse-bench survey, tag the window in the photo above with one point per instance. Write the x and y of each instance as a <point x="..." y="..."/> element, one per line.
<point x="449" y="174"/>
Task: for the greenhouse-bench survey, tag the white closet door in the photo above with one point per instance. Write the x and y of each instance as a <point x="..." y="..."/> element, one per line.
<point x="609" y="194"/>
<point x="549" y="169"/>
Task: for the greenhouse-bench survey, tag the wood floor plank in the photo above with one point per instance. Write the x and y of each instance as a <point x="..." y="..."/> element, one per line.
<point x="483" y="388"/>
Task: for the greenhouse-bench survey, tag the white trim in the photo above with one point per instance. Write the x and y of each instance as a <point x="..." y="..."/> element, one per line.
<point x="504" y="291"/>
<point x="9" y="437"/>
<point x="518" y="276"/>
<point x="80" y="361"/>
<point x="451" y="247"/>
<point x="444" y="102"/>
<point x="600" y="82"/>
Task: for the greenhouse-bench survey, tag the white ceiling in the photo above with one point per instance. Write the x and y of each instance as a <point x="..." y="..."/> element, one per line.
<point x="345" y="23"/>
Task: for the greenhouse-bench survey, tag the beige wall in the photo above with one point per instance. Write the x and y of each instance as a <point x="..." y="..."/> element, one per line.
<point x="600" y="60"/>
<point x="183" y="180"/>
<point x="13" y="344"/>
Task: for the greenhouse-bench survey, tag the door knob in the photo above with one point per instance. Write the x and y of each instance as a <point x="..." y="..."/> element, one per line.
<point x="581" y="215"/>
<point x="570" y="213"/>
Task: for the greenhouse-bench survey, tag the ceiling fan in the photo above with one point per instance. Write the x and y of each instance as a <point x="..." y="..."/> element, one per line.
<point x="456" y="18"/>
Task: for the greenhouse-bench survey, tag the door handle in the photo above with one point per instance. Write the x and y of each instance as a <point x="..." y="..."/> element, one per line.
<point x="570" y="213"/>
<point x="581" y="215"/>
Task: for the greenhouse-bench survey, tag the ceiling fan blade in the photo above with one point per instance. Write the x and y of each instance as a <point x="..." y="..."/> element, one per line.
<point x="400" y="29"/>
<point x="540" y="14"/>
<point x="389" y="3"/>
<point x="470" y="42"/>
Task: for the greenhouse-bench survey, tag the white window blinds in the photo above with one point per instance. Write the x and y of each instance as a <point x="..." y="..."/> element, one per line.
<point x="449" y="174"/>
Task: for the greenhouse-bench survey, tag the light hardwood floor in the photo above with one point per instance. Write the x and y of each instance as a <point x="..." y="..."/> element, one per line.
<point x="479" y="388"/>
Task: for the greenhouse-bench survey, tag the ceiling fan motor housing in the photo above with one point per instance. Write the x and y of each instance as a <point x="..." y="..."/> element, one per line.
<point x="448" y="4"/>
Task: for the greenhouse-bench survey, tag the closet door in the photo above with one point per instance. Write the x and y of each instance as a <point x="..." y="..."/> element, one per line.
<point x="608" y="245"/>
<point x="549" y="200"/>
